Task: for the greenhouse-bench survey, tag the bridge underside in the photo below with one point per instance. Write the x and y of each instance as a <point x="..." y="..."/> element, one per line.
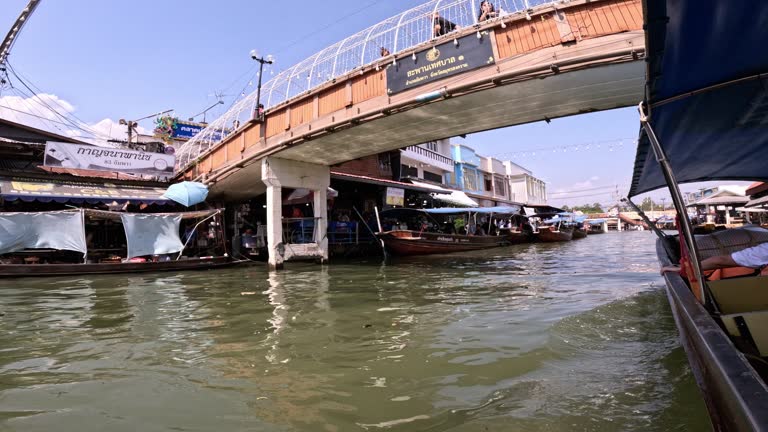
<point x="571" y="93"/>
<point x="588" y="90"/>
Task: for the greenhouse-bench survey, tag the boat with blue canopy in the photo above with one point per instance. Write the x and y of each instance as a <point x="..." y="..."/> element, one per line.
<point x="705" y="117"/>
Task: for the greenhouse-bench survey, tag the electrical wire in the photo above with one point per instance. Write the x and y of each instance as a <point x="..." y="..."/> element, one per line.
<point x="79" y="124"/>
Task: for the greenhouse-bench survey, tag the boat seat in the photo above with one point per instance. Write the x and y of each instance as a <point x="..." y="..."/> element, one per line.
<point x="741" y="294"/>
<point x="751" y="326"/>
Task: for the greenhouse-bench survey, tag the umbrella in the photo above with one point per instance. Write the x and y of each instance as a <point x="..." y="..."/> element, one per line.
<point x="187" y="193"/>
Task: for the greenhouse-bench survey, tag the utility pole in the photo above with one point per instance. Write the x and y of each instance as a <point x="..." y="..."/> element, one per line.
<point x="259" y="109"/>
<point x="131" y="124"/>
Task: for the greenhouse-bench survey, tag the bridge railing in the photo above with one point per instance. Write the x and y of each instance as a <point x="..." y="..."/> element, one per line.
<point x="396" y="34"/>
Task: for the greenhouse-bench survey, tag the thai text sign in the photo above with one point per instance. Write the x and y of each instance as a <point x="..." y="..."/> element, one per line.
<point x="395" y="196"/>
<point x="441" y="61"/>
<point x="76" y="156"/>
<point x="187" y="130"/>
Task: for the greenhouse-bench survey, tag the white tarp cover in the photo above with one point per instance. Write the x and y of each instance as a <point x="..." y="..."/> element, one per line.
<point x="149" y="234"/>
<point x="456" y="198"/>
<point x="50" y="230"/>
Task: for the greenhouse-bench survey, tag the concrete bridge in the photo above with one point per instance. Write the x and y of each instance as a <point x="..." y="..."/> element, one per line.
<point x="542" y="62"/>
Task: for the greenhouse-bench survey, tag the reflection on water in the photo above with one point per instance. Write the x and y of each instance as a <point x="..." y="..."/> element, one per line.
<point x="544" y="337"/>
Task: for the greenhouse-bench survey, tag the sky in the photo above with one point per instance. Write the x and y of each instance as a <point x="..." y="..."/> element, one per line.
<point x="105" y="60"/>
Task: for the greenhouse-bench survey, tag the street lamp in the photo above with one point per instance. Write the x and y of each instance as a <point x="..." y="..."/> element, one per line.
<point x="268" y="60"/>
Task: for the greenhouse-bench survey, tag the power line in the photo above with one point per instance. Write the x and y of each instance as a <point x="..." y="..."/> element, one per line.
<point x="79" y="124"/>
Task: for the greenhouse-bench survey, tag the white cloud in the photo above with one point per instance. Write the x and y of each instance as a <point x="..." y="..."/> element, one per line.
<point x="38" y="112"/>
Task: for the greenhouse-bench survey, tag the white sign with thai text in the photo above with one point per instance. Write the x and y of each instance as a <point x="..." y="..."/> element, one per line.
<point x="63" y="155"/>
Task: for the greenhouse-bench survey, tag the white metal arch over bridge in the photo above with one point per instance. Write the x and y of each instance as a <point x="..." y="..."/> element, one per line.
<point x="398" y="33"/>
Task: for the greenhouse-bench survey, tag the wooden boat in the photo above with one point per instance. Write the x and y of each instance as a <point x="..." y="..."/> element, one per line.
<point x="519" y="237"/>
<point x="579" y="233"/>
<point x="722" y="323"/>
<point x="39" y="270"/>
<point x="427" y="241"/>
<point x="550" y="234"/>
<point x="55" y="243"/>
<point x="406" y="242"/>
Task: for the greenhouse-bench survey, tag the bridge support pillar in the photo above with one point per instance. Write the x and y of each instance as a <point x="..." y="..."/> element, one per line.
<point x="277" y="174"/>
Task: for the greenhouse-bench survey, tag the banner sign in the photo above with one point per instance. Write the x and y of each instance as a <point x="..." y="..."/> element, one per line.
<point x="62" y="155"/>
<point x="441" y="61"/>
<point x="186" y="130"/>
<point x="395" y="196"/>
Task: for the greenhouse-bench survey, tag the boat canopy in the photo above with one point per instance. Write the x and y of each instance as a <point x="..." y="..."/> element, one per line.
<point x="706" y="92"/>
<point x="596" y="221"/>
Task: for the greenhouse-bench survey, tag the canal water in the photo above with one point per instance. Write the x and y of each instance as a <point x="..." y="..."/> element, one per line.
<point x="545" y="337"/>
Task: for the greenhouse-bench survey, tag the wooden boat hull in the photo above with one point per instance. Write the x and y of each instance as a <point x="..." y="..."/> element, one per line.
<point x="736" y="397"/>
<point x="39" y="270"/>
<point x="549" y="236"/>
<point x="520" y="237"/>
<point x="579" y="234"/>
<point x="404" y="242"/>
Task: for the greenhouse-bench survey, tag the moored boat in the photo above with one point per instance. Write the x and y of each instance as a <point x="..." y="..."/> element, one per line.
<point x="406" y="242"/>
<point x="702" y="59"/>
<point x="553" y="233"/>
<point x="57" y="243"/>
<point x="462" y="229"/>
<point x="579" y="233"/>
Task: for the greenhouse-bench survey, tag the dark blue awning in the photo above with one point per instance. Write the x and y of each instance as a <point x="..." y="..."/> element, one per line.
<point x="707" y="91"/>
<point x="29" y="190"/>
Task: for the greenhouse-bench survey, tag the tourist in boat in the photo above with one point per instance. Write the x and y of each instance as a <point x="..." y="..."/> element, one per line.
<point x="754" y="257"/>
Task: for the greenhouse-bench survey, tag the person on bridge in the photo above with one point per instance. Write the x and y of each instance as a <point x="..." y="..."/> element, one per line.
<point x="487" y="11"/>
<point x="384" y="52"/>
<point x="441" y="26"/>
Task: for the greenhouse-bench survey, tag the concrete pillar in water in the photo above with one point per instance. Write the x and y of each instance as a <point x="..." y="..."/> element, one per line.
<point x="277" y="174"/>
<point x="275" y="244"/>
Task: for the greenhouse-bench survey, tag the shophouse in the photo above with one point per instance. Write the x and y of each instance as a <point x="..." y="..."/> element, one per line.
<point x="524" y="186"/>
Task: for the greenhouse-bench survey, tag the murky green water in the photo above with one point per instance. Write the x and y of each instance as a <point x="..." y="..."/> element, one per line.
<point x="569" y="337"/>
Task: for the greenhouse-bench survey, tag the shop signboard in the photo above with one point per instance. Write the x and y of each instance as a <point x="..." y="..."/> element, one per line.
<point x="395" y="196"/>
<point x="63" y="155"/>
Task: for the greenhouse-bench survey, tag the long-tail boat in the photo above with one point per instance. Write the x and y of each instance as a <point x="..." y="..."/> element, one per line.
<point x="434" y="237"/>
<point x="555" y="233"/>
<point x="704" y="118"/>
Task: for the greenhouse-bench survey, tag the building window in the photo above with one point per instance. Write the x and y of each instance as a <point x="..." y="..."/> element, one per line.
<point x="409" y="171"/>
<point x="470" y="178"/>
<point x="501" y="188"/>
<point x="437" y="178"/>
<point x="488" y="183"/>
<point x="384" y="163"/>
<point x="432" y="145"/>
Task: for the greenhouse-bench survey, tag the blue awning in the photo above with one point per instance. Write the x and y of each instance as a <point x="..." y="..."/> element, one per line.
<point x="707" y="91"/>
